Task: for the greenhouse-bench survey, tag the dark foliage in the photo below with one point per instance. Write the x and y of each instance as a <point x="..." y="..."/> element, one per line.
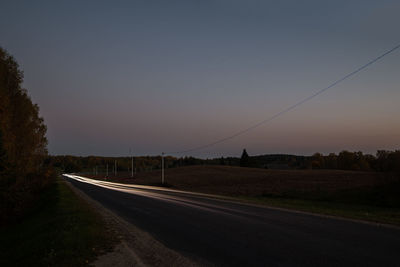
<point x="22" y="143"/>
<point x="244" y="159"/>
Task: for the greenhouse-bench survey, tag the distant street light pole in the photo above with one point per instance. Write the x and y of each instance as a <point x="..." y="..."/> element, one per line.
<point x="107" y="170"/>
<point x="131" y="163"/>
<point x="115" y="168"/>
<point x="162" y="167"/>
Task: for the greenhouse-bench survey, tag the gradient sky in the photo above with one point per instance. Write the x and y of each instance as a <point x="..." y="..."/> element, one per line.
<point x="169" y="75"/>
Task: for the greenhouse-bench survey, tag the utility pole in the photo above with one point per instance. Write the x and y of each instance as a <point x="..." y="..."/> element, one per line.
<point x="107" y="170"/>
<point x="130" y="152"/>
<point x="115" y="168"/>
<point x="162" y="167"/>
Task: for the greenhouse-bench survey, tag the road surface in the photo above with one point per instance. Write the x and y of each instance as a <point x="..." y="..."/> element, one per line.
<point x="224" y="233"/>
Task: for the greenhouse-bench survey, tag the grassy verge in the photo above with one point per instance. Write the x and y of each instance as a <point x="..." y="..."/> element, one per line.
<point x="378" y="204"/>
<point x="64" y="231"/>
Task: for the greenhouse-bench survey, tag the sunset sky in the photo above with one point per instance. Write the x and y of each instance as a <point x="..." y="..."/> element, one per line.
<point x="159" y="76"/>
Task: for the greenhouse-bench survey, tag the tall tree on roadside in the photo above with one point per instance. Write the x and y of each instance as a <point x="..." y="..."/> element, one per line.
<point x="22" y="139"/>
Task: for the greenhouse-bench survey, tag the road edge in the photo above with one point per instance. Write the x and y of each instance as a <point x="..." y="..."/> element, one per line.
<point x="136" y="247"/>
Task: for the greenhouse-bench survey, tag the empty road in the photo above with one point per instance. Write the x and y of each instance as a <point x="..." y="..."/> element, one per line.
<point x="223" y="233"/>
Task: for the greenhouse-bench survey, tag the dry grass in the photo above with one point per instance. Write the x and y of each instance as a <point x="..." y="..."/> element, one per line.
<point x="236" y="181"/>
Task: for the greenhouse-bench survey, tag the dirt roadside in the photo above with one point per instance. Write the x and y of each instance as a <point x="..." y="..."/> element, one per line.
<point x="135" y="247"/>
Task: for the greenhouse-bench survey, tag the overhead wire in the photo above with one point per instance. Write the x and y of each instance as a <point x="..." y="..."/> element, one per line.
<point x="287" y="109"/>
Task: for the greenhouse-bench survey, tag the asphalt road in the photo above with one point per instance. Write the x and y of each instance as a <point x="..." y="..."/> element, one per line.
<point x="224" y="233"/>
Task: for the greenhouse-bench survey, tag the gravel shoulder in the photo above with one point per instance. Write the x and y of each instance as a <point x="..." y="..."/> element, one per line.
<point x="135" y="247"/>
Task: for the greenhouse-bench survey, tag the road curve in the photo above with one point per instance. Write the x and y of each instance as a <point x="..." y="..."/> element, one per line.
<point x="224" y="233"/>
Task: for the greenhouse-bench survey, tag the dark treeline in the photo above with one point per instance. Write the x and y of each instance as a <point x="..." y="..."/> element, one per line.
<point x="23" y="173"/>
<point x="388" y="161"/>
<point x="384" y="160"/>
<point x="74" y="164"/>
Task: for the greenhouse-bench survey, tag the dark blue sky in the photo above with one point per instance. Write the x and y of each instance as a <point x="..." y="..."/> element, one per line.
<point x="169" y="75"/>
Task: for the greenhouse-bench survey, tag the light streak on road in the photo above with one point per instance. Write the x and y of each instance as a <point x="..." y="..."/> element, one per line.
<point x="143" y="190"/>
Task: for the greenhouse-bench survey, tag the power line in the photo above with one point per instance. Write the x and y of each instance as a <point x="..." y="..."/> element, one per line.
<point x="288" y="108"/>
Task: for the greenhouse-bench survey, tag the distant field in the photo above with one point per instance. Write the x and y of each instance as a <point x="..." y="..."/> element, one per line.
<point x="361" y="195"/>
<point x="235" y="181"/>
